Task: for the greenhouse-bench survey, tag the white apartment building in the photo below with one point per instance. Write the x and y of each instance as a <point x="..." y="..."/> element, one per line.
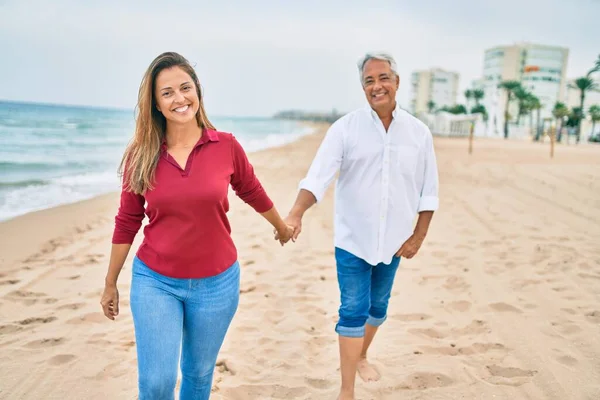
<point x="435" y="85"/>
<point x="540" y="69"/>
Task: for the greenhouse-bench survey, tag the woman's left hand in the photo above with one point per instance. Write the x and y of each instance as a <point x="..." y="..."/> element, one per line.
<point x="285" y="234"/>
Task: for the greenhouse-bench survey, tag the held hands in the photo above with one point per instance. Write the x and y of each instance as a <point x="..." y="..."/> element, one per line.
<point x="293" y="229"/>
<point x="284" y="234"/>
<point x="410" y="247"/>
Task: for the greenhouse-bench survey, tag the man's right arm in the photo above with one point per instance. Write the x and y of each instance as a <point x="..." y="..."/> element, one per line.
<point x="321" y="173"/>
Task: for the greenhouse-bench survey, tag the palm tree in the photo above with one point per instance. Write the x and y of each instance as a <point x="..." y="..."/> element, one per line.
<point x="534" y="104"/>
<point x="595" y="115"/>
<point x="468" y="95"/>
<point x="510" y="87"/>
<point x="480" y="108"/>
<point x="523" y="97"/>
<point x="478" y="95"/>
<point x="559" y="112"/>
<point x="584" y="85"/>
<point x="430" y="106"/>
<point x="596" y="67"/>
<point x="574" y="118"/>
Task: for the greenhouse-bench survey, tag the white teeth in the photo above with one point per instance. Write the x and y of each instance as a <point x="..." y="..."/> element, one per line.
<point x="182" y="109"/>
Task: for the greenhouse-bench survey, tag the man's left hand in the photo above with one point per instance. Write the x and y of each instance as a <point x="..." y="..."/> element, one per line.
<point x="410" y="247"/>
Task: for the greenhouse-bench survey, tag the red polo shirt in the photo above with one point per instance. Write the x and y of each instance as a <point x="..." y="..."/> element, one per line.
<point x="188" y="233"/>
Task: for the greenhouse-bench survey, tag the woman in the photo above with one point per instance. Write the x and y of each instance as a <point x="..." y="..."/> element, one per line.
<point x="185" y="283"/>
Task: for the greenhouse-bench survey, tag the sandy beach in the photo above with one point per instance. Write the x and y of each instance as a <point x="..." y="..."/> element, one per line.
<point x="502" y="302"/>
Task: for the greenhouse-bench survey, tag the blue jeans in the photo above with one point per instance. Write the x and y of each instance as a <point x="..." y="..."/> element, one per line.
<point x="169" y="315"/>
<point x="364" y="291"/>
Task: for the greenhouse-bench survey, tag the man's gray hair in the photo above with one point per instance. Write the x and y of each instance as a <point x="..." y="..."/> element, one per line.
<point x="376" y="56"/>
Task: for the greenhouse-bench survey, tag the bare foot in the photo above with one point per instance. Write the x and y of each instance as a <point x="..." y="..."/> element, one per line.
<point x="345" y="396"/>
<point x="367" y="372"/>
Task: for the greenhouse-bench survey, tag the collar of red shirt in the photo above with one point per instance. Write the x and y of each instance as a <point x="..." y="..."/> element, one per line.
<point x="208" y="135"/>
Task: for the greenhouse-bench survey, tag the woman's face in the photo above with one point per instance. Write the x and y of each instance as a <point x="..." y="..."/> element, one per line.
<point x="176" y="95"/>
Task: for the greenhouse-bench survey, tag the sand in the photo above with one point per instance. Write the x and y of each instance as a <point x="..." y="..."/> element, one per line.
<point x="502" y="302"/>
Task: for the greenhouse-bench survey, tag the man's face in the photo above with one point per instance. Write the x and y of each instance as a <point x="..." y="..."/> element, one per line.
<point x="380" y="84"/>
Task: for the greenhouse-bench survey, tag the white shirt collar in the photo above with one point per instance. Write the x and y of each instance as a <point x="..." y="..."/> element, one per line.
<point x="376" y="117"/>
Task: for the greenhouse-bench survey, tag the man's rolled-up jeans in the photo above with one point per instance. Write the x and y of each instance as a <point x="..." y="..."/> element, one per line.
<point x="364" y="291"/>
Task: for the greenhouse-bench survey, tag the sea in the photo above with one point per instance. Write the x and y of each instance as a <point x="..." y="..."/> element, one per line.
<point x="55" y="154"/>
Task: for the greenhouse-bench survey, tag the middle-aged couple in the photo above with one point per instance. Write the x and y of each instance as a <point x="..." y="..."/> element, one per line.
<point x="186" y="277"/>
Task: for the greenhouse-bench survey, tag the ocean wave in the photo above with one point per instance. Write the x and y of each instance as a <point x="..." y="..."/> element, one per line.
<point x="21" y="165"/>
<point x="24" y="183"/>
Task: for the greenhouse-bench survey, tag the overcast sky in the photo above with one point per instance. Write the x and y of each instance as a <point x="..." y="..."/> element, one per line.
<point x="258" y="57"/>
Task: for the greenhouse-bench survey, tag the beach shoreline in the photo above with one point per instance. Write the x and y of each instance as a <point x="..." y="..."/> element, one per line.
<point x="514" y="244"/>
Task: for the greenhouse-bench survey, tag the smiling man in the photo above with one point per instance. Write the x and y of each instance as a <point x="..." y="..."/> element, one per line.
<point x="387" y="176"/>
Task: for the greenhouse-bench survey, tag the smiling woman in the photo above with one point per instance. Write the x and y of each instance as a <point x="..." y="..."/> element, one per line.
<point x="185" y="282"/>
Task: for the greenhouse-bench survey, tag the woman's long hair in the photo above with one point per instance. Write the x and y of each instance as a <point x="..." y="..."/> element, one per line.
<point x="139" y="162"/>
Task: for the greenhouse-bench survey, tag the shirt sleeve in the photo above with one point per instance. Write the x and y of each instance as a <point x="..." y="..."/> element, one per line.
<point x="326" y="163"/>
<point x="245" y="183"/>
<point x="429" y="192"/>
<point x="129" y="217"/>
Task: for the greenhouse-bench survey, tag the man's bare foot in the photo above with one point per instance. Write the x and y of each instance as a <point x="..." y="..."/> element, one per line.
<point x="345" y="396"/>
<point x="367" y="372"/>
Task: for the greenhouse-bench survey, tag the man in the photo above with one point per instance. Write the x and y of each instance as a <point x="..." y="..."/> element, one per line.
<point x="387" y="175"/>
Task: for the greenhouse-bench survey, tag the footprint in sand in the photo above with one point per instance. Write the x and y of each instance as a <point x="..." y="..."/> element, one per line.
<point x="425" y="380"/>
<point x="456" y="283"/>
<point x="248" y="289"/>
<point x="26" y="294"/>
<point x="566" y="327"/>
<point x="319" y="383"/>
<point x="44" y="343"/>
<point x="8" y="329"/>
<point x="30" y="298"/>
<point x="72" y="306"/>
<point x="430" y="333"/>
<point x="35" y="321"/>
<point x="274" y="316"/>
<point x="589" y="276"/>
<point x="10" y="282"/>
<point x="593" y="316"/>
<point x="96" y="317"/>
<point x="476" y="327"/>
<point x="460" y="306"/>
<point x="225" y="366"/>
<point x="509" y="372"/>
<point x="61" y="359"/>
<point x="504" y="307"/>
<point x="567" y="360"/>
<point x="410" y="317"/>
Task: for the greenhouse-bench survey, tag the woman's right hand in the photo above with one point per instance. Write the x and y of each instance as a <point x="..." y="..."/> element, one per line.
<point x="110" y="301"/>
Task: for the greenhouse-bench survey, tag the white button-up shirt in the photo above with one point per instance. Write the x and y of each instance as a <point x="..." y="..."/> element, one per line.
<point x="385" y="179"/>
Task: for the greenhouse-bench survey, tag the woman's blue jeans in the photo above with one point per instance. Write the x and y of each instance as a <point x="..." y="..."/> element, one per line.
<point x="180" y="316"/>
